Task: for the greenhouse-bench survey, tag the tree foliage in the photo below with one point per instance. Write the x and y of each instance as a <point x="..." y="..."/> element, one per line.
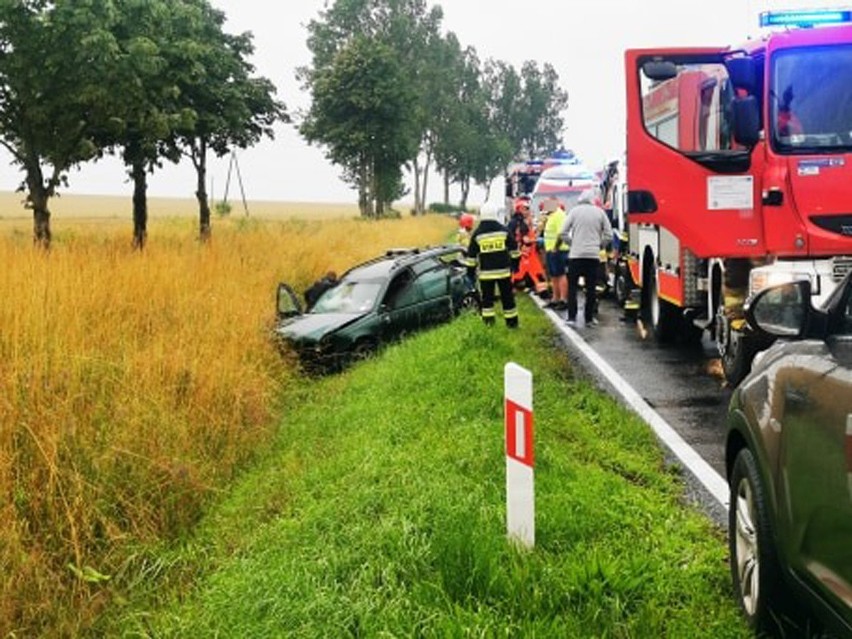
<point x="230" y="106"/>
<point x="147" y="79"/>
<point x="362" y="113"/>
<point x="54" y="57"/>
<point x="468" y="118"/>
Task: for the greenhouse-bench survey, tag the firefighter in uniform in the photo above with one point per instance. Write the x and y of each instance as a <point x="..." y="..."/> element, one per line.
<point x="489" y="253"/>
<point x="518" y="229"/>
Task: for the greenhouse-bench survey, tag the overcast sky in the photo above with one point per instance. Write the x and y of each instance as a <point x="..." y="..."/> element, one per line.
<point x="584" y="40"/>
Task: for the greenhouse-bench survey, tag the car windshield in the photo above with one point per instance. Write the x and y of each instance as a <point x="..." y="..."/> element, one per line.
<point x="349" y="297"/>
<point x="810" y="94"/>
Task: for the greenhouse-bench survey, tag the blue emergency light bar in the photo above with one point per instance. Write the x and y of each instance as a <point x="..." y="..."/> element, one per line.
<point x="804" y="18"/>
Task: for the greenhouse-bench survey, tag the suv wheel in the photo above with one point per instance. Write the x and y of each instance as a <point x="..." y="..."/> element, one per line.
<point x="755" y="570"/>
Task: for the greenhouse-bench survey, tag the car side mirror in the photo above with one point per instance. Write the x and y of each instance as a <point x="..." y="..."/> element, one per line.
<point x="783" y="310"/>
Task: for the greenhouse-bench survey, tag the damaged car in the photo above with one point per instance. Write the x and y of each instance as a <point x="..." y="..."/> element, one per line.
<point x="374" y="303"/>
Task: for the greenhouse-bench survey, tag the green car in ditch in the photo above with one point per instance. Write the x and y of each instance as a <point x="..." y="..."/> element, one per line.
<point x="375" y="303"/>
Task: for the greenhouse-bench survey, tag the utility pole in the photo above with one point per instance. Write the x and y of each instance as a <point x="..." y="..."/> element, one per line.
<point x="234" y="164"/>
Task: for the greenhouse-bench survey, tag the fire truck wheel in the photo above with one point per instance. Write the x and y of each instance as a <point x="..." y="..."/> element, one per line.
<point x="623" y="284"/>
<point x="736" y="351"/>
<point x="658" y="314"/>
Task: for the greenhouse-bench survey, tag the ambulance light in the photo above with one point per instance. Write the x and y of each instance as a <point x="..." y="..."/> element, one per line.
<point x="804" y="18"/>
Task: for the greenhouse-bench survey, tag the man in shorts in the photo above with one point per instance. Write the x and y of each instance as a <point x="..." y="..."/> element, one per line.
<point x="556" y="257"/>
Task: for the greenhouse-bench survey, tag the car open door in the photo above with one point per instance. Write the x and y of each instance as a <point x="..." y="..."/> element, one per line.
<point x="287" y="304"/>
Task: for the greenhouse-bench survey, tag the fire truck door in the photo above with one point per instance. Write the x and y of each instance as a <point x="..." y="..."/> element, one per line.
<point x="687" y="174"/>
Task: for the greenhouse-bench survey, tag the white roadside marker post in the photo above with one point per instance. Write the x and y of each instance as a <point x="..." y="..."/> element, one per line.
<point x="520" y="489"/>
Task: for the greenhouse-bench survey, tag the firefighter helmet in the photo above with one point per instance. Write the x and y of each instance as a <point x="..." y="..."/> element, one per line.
<point x="466" y="221"/>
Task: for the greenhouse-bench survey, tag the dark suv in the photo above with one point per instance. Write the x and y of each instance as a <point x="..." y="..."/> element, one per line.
<point x="376" y="302"/>
<point x="789" y="463"/>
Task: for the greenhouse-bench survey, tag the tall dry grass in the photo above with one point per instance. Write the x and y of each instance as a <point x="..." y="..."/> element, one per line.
<point x="133" y="386"/>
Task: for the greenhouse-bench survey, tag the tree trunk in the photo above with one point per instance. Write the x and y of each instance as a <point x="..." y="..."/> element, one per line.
<point x="446" y="188"/>
<point x="424" y="196"/>
<point x="140" y="205"/>
<point x="37" y="199"/>
<point x="378" y="198"/>
<point x="465" y="191"/>
<point x="418" y="204"/>
<point x="363" y="190"/>
<point x="204" y="228"/>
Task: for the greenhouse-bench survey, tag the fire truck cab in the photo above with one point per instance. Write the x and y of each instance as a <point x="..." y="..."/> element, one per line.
<point x="740" y="176"/>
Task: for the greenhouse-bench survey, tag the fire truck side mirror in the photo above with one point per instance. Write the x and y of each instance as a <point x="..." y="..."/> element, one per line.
<point x="743" y="74"/>
<point x="746" y="121"/>
<point x="659" y="70"/>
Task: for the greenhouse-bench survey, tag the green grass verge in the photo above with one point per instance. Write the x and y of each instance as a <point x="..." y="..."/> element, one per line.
<point x="381" y="512"/>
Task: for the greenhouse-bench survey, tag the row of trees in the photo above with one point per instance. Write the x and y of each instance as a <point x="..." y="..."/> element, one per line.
<point x="151" y="81"/>
<point x="155" y="81"/>
<point x="391" y="93"/>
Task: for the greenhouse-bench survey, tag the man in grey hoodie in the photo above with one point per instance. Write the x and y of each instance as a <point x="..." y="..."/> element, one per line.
<point x="587" y="230"/>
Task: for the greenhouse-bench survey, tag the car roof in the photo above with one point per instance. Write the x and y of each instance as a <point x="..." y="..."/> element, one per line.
<point x="395" y="259"/>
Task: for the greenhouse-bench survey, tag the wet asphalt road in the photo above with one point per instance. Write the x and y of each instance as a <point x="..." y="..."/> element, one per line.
<point x="683" y="383"/>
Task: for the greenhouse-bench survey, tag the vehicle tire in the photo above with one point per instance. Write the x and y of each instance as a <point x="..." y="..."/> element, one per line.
<point x="623" y="284"/>
<point x="468" y="304"/>
<point x="755" y="569"/>
<point x="736" y="350"/>
<point x="658" y="314"/>
<point x="364" y="349"/>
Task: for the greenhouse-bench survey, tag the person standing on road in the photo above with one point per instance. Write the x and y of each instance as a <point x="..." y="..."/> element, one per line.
<point x="588" y="230"/>
<point x="489" y="254"/>
<point x="556" y="259"/>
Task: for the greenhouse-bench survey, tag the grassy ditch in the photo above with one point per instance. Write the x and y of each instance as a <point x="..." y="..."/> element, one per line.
<point x="380" y="512"/>
<point x="135" y="386"/>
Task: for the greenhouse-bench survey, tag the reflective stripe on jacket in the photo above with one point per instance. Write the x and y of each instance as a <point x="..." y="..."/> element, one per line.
<point x="490" y="246"/>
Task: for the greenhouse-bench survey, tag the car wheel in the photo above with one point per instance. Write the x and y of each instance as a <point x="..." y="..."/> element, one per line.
<point x="364" y="349"/>
<point x="755" y="569"/>
<point x="469" y="304"/>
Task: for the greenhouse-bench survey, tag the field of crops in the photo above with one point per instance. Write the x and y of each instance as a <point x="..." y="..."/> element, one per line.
<point x="134" y="385"/>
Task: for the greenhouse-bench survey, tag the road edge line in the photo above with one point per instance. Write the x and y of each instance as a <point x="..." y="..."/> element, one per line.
<point x="712" y="481"/>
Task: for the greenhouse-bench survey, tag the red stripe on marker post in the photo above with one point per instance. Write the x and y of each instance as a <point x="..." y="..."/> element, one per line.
<point x="520" y="455"/>
<point x="519" y="433"/>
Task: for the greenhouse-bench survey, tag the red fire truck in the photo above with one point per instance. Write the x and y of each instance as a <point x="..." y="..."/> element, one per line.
<point x="740" y="175"/>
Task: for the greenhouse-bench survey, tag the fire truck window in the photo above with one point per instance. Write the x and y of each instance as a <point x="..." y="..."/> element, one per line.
<point x="692" y="111"/>
<point x="809" y="97"/>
